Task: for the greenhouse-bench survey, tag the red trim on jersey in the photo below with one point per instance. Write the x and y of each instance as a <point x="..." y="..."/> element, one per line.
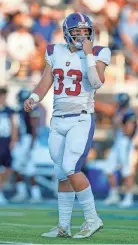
<point x="50" y="49"/>
<point x="96" y="50"/>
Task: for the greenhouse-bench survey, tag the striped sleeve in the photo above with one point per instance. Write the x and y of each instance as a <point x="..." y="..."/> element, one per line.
<point x="49" y="54"/>
<point x="102" y="54"/>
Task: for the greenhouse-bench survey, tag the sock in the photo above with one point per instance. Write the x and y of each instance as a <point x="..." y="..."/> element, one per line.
<point x="128" y="196"/>
<point x="86" y="200"/>
<point x="21" y="188"/>
<point x="65" y="206"/>
<point x="114" y="191"/>
<point x="2" y="197"/>
<point x="36" y="192"/>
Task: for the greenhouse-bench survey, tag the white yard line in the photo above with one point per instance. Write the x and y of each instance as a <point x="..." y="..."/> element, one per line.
<point x="33" y="226"/>
<point x="11" y="213"/>
<point x="20" y="243"/>
<point x="25" y="225"/>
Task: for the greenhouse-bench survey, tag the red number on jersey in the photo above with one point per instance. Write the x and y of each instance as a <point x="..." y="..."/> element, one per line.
<point x="70" y="73"/>
<point x="60" y="72"/>
<point x="77" y="82"/>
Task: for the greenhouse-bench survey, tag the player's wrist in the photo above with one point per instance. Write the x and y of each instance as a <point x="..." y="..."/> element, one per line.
<point x="35" y="97"/>
<point x="90" y="60"/>
<point x="88" y="51"/>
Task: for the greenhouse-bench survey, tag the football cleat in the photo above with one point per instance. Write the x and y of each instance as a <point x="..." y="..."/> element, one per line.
<point x="112" y="200"/>
<point x="18" y="198"/>
<point x="36" y="200"/>
<point x="126" y="203"/>
<point x="89" y="228"/>
<point x="3" y="199"/>
<point x="57" y="231"/>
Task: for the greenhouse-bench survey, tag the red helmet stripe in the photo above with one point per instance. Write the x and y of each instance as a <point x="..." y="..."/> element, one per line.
<point x="81" y="17"/>
<point x="85" y="17"/>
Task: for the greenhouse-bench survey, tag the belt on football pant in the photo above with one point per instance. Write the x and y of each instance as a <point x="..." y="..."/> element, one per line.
<point x="72" y="115"/>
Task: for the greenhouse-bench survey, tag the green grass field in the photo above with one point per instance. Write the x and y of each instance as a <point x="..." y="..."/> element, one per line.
<point x="25" y="225"/>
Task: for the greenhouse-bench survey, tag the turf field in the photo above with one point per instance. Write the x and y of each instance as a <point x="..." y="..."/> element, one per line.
<point x="25" y="224"/>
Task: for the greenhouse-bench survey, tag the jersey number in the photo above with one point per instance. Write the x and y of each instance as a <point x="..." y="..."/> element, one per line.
<point x="77" y="81"/>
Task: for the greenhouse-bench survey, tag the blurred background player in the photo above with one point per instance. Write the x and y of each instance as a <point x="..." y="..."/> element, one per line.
<point x="28" y="126"/>
<point x="122" y="105"/>
<point x="8" y="139"/>
<point x="122" y="159"/>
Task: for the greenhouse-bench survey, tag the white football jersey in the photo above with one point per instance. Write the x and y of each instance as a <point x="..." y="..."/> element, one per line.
<point x="72" y="89"/>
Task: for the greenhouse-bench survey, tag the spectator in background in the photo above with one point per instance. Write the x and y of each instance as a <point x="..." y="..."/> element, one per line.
<point x="53" y="3"/>
<point x="12" y="22"/>
<point x="8" y="138"/>
<point x="34" y="11"/>
<point x="2" y="17"/>
<point x="129" y="4"/>
<point x="21" y="44"/>
<point x="128" y="29"/>
<point x="12" y="6"/>
<point x="112" y="12"/>
<point x="94" y="6"/>
<point x="44" y="27"/>
<point x="3" y="50"/>
<point x="132" y="61"/>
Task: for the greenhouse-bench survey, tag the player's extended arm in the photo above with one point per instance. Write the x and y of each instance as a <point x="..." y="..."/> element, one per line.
<point x="41" y="90"/>
<point x="45" y="83"/>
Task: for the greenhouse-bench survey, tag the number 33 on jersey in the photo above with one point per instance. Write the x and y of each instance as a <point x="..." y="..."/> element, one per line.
<point x="72" y="89"/>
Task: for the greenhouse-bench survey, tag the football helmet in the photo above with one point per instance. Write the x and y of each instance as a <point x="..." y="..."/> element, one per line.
<point x="122" y="99"/>
<point x="130" y="116"/>
<point x="75" y="21"/>
<point x="22" y="95"/>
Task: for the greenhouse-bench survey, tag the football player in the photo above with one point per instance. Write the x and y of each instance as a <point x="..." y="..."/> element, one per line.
<point x="122" y="107"/>
<point x="123" y="160"/>
<point x="8" y="138"/>
<point x="28" y="123"/>
<point x="76" y="69"/>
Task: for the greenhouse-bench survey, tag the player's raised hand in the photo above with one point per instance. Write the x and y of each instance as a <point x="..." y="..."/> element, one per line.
<point x="87" y="46"/>
<point x="29" y="105"/>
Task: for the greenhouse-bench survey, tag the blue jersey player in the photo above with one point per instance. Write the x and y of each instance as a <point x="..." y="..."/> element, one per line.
<point x="122" y="107"/>
<point x="122" y="159"/>
<point x="76" y="69"/>
<point x="27" y="128"/>
<point x="8" y="138"/>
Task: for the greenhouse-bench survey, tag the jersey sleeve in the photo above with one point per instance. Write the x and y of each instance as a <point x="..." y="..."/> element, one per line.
<point x="102" y="54"/>
<point x="49" y="54"/>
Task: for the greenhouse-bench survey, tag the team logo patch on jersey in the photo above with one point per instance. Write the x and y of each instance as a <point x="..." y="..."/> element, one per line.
<point x="67" y="63"/>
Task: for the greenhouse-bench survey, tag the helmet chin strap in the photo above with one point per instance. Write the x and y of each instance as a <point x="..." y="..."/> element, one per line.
<point x="78" y="44"/>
